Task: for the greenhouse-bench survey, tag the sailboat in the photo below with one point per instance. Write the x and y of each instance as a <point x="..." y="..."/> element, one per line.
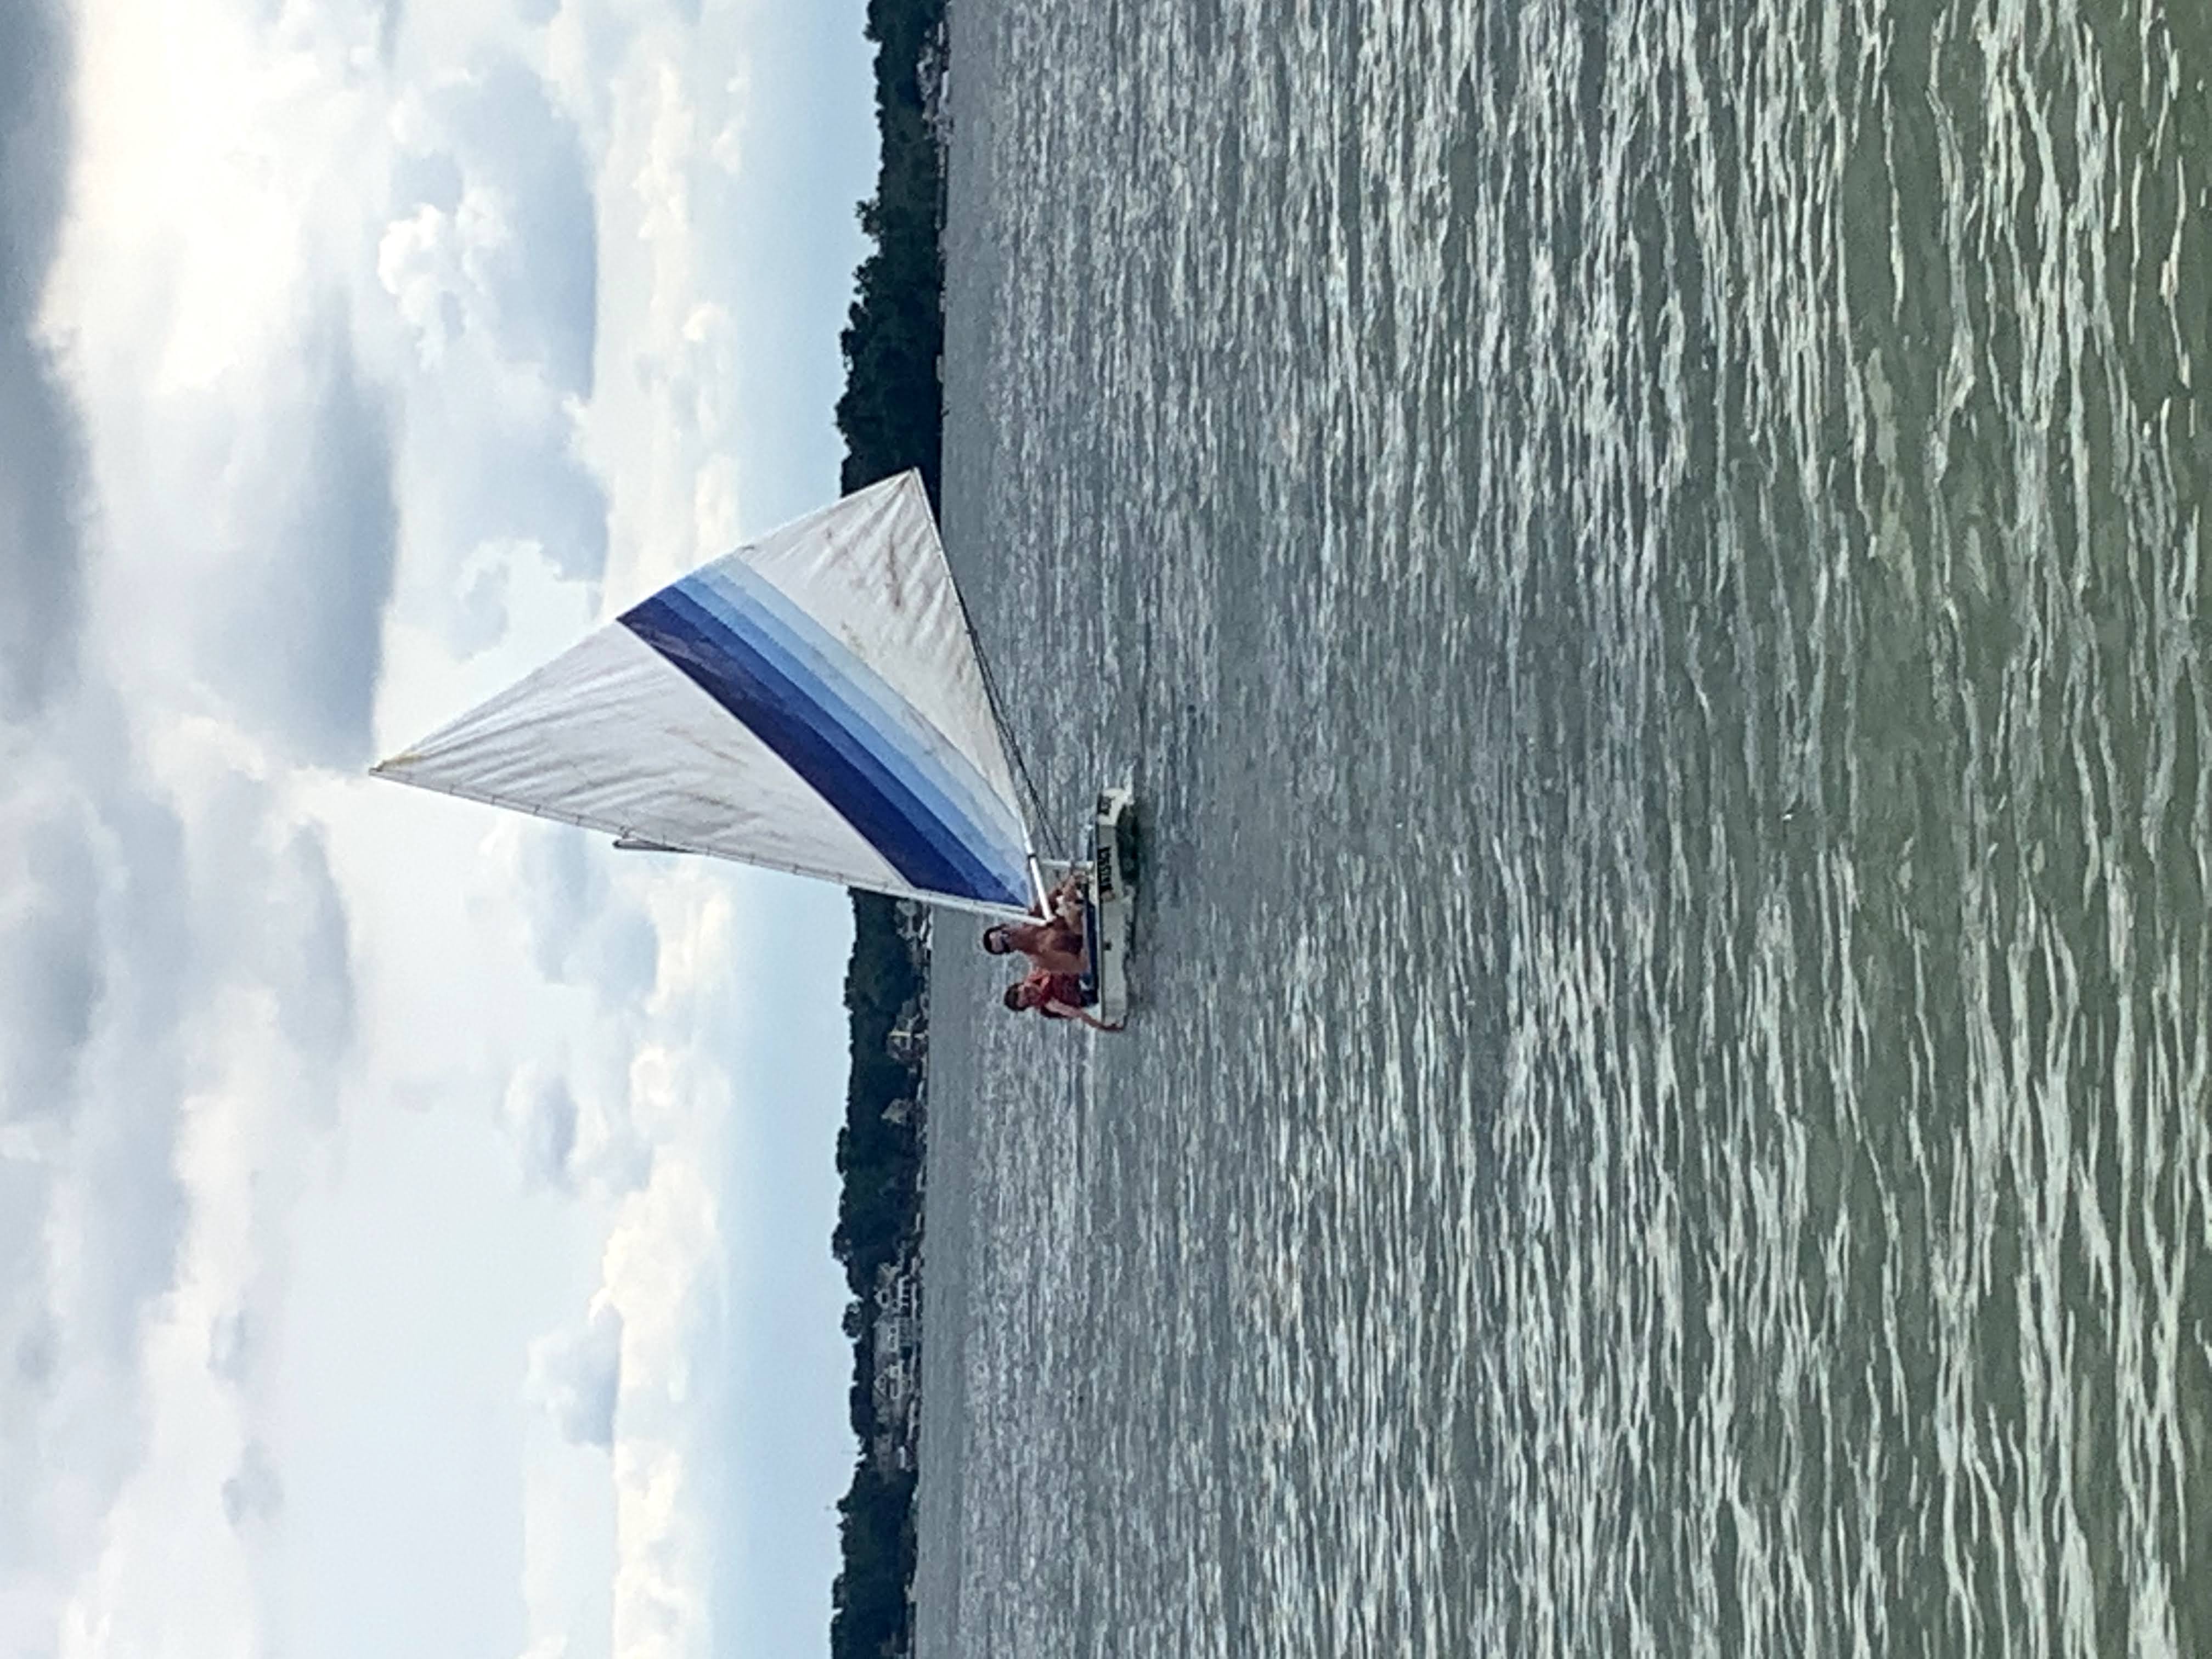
<point x="813" y="702"/>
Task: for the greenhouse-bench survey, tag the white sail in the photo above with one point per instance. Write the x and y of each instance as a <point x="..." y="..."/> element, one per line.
<point x="810" y="702"/>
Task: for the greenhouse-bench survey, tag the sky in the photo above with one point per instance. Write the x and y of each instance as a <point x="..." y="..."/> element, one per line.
<point x="414" y="1220"/>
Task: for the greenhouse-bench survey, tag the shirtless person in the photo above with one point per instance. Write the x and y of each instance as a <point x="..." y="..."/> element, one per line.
<point x="1055" y="942"/>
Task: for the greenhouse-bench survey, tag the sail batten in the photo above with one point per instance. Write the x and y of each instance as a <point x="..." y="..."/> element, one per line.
<point x="763" y="708"/>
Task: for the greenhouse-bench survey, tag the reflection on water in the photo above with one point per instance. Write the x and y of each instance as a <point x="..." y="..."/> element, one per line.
<point x="1649" y="570"/>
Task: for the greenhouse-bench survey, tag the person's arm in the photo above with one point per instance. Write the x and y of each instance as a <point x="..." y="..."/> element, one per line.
<point x="1057" y="1009"/>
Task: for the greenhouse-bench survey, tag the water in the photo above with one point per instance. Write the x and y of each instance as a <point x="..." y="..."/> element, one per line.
<point x="1649" y="566"/>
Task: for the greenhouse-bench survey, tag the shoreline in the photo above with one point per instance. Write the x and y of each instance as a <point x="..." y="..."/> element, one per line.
<point x="891" y="416"/>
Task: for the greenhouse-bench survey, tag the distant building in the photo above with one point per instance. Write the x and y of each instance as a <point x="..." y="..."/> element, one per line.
<point x="908" y="1041"/>
<point x="914" y="927"/>
<point x="896" y="1363"/>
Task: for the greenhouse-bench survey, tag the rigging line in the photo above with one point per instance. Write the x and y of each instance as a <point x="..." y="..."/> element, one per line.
<point x="991" y="687"/>
<point x="1006" y="735"/>
<point x="998" y="717"/>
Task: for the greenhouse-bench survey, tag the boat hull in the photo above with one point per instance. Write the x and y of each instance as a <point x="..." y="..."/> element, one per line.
<point x="1110" y="899"/>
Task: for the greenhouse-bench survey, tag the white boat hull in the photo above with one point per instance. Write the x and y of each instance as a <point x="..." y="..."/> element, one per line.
<point x="1109" y="896"/>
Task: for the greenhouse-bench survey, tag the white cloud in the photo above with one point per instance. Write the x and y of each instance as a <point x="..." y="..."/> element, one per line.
<point x="181" y="955"/>
<point x="541" y="1117"/>
<point x="364" y="326"/>
<point x="663" y="1270"/>
<point x="421" y="262"/>
<point x="637" y="1378"/>
<point x="494" y="229"/>
<point x="147" y="1186"/>
<point x="662" y="422"/>
<point x="160" y="1567"/>
<point x="254" y="1495"/>
<point x="576" y="1377"/>
<point x="41" y="481"/>
<point x="487" y="265"/>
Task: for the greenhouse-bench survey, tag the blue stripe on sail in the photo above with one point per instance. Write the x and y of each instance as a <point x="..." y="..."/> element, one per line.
<point x="954" y="791"/>
<point x="833" y="720"/>
<point x="945" y="781"/>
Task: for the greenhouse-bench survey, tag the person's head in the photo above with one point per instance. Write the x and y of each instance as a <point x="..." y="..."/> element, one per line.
<point x="1017" y="996"/>
<point x="995" y="941"/>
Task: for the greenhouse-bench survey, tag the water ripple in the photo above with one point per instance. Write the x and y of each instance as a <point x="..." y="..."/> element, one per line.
<point x="1651" y="565"/>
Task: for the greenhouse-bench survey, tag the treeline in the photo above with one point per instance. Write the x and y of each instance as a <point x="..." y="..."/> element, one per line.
<point x="891" y="417"/>
<point x="878" y="1220"/>
<point x="878" y="1156"/>
<point x="892" y="412"/>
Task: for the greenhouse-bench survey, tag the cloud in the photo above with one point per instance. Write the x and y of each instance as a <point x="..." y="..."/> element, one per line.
<point x="588" y="1145"/>
<point x="51" y="973"/>
<point x="495" y="230"/>
<point x="576" y="1378"/>
<point x="35" y="64"/>
<point x="231" y="1345"/>
<point x="41" y="471"/>
<point x="491" y="447"/>
<point x="662" y="1268"/>
<point x="310" y="961"/>
<point x="294" y="454"/>
<point x="255" y="909"/>
<point x="121" y="1215"/>
<point x="30" y="1350"/>
<point x="253" y="1496"/>
<point x="41" y="440"/>
<point x="390" y="13"/>
<point x="581" y="930"/>
<point x="658" y="1345"/>
<point x="564" y="882"/>
<point x="490" y="260"/>
<point x="300" y="648"/>
<point x="87" y="1024"/>
<point x="174" y="945"/>
<point x="541" y="1117"/>
<point x="478" y="617"/>
<point x="538" y="276"/>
